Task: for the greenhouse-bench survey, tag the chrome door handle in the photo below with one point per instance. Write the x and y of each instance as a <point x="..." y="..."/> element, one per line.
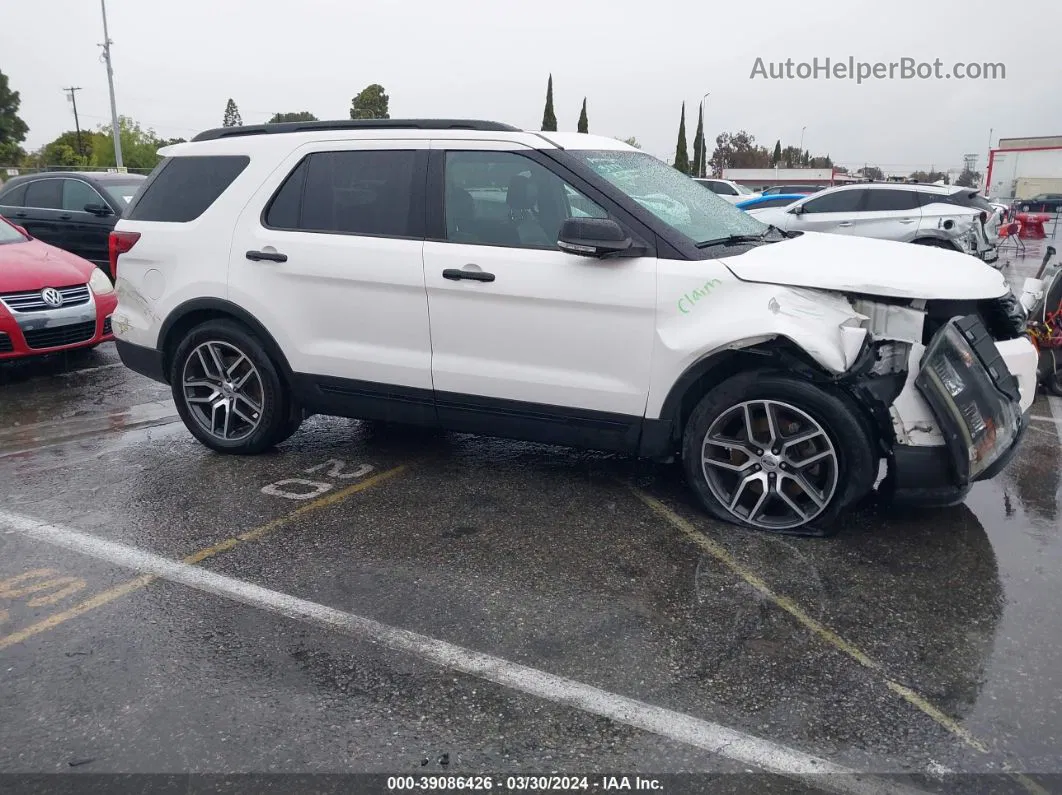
<point x="845" y="223"/>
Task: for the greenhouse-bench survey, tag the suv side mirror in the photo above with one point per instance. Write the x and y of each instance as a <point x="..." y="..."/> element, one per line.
<point x="798" y="210"/>
<point x="102" y="210"/>
<point x="592" y="237"/>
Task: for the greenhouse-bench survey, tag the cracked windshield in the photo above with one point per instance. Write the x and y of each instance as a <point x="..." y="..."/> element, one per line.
<point x="679" y="202"/>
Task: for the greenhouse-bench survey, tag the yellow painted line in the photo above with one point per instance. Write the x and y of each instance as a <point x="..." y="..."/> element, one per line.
<point x="117" y="592"/>
<point x="812" y="625"/>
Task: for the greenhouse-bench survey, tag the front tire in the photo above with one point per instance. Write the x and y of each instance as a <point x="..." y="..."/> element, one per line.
<point x="228" y="391"/>
<point x="767" y="451"/>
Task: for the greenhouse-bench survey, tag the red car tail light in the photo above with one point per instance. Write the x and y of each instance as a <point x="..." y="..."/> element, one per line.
<point x="119" y="243"/>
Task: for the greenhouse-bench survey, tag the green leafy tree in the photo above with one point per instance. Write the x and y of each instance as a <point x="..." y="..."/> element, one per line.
<point x="64" y="150"/>
<point x="584" y="123"/>
<point x="302" y="115"/>
<point x="698" y="145"/>
<point x="371" y="103"/>
<point x="776" y="155"/>
<point x="682" y="155"/>
<point x="928" y="176"/>
<point x="871" y="172"/>
<point x="12" y="129"/>
<point x="139" y="146"/>
<point x="738" y="150"/>
<point x="549" y="118"/>
<point x="632" y="141"/>
<point x="232" y="115"/>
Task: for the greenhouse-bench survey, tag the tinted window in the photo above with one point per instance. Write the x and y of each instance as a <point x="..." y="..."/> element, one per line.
<point x="721" y="188"/>
<point x="843" y="201"/>
<point x="45" y="193"/>
<point x="122" y="192"/>
<point x="505" y="199"/>
<point x="15" y="197"/>
<point x="963" y="199"/>
<point x="366" y="192"/>
<point x="76" y="194"/>
<point x="182" y="188"/>
<point x="881" y="200"/>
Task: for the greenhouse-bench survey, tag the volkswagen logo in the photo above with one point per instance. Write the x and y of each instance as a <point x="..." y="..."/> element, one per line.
<point x="52" y="297"/>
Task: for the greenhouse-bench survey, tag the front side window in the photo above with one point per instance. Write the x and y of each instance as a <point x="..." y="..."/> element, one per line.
<point x="76" y="194"/>
<point x="672" y="197"/>
<point x="45" y="194"/>
<point x="506" y="199"/>
<point x="842" y="201"/>
<point x="356" y="192"/>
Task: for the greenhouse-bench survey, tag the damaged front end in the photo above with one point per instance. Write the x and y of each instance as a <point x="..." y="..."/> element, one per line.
<point x="936" y="377"/>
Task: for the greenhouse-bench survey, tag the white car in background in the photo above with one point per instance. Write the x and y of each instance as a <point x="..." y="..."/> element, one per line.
<point x="945" y="216"/>
<point x="728" y="189"/>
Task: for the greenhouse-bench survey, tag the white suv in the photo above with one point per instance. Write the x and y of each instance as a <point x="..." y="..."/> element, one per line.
<point x="946" y="216"/>
<point x="728" y="189"/>
<point x="568" y="289"/>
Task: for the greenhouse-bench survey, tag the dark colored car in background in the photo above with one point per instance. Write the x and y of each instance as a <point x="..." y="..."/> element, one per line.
<point x="1041" y="203"/>
<point x="70" y="210"/>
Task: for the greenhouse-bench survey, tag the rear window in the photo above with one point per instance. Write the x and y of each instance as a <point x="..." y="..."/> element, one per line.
<point x="122" y="192"/>
<point x="182" y="188"/>
<point x="971" y="199"/>
<point x="14" y="197"/>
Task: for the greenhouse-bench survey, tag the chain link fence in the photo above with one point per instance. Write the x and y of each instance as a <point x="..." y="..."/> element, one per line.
<point x="8" y="172"/>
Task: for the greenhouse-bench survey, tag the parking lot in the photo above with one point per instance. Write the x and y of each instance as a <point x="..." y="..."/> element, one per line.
<point x="373" y="599"/>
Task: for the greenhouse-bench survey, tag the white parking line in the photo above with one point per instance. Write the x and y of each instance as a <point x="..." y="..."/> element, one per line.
<point x="677" y="726"/>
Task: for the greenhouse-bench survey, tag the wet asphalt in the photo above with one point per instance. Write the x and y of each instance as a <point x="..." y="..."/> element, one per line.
<point x="910" y="642"/>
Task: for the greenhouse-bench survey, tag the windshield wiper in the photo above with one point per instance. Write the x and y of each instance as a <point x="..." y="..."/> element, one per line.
<point x="731" y="240"/>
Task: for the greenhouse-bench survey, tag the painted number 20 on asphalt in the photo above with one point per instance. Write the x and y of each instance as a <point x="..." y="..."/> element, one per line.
<point x="305" y="489"/>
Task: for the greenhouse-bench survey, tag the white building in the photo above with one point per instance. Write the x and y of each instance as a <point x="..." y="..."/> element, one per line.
<point x="1020" y="168"/>
<point x="759" y="178"/>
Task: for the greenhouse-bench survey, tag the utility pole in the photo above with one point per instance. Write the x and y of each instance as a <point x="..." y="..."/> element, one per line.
<point x="70" y="94"/>
<point x="110" y="83"/>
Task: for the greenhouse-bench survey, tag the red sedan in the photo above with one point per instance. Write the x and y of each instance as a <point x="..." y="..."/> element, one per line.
<point x="50" y="300"/>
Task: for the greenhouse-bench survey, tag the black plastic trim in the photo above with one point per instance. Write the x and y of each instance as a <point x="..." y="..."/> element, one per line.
<point x="364" y="400"/>
<point x="140" y="359"/>
<point x="221" y="306"/>
<point x="354" y="124"/>
<point x="535" y="422"/>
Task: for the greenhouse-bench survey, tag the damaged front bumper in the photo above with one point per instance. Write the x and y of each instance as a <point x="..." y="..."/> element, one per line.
<point x="977" y="403"/>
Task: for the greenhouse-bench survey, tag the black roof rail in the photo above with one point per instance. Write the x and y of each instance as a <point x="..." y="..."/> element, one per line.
<point x="355" y="124"/>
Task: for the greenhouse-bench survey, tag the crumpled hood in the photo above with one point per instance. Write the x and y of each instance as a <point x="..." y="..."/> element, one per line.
<point x="849" y="264"/>
<point x="34" y="265"/>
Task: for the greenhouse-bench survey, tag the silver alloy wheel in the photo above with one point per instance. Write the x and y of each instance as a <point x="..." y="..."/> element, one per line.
<point x="770" y="464"/>
<point x="223" y="390"/>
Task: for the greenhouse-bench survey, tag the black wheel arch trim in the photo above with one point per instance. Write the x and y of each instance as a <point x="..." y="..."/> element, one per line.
<point x="223" y="307"/>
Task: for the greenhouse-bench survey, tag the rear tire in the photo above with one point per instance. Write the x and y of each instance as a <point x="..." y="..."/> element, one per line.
<point x="805" y="459"/>
<point x="228" y="391"/>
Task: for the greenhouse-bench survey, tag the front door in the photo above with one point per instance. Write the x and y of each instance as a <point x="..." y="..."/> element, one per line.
<point x="529" y="341"/>
<point x="328" y="257"/>
<point x="836" y="212"/>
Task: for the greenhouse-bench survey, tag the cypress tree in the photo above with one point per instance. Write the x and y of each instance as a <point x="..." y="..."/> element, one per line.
<point x="682" y="155"/>
<point x="584" y="123"/>
<point x="549" y="118"/>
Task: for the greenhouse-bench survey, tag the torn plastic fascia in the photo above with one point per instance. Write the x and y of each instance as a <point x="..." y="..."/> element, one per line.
<point x="895" y="335"/>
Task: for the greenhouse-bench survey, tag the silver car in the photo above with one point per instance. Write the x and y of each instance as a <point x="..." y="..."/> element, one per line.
<point x="932" y="215"/>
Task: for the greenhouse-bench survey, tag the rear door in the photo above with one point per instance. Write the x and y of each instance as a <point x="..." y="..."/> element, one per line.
<point x="42" y="210"/>
<point x="86" y="234"/>
<point x="889" y="214"/>
<point x="328" y="256"/>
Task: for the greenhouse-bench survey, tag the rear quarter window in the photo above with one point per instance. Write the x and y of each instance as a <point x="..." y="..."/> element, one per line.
<point x="182" y="188"/>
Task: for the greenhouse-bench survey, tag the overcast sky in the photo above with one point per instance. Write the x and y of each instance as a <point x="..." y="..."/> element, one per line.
<point x="176" y="64"/>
